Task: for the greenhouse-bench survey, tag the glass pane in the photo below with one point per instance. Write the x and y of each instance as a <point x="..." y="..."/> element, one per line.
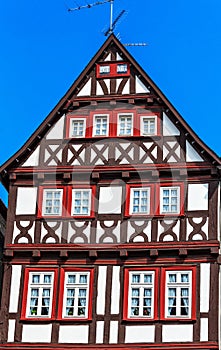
<point x="148" y="278"/>
<point x="135" y="278"/>
<point x="71" y="278"/>
<point x="47" y="278"/>
<point x="35" y="278"/>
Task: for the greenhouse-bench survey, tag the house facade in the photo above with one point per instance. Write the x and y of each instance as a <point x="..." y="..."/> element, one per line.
<point x="112" y="238"/>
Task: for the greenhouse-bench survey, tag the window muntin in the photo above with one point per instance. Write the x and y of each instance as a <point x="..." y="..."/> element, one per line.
<point x="104" y="69"/>
<point x="178" y="294"/>
<point x="81" y="202"/>
<point x="40" y="293"/>
<point x="52" y="202"/>
<point x="148" y="125"/>
<point x="77" y="127"/>
<point x="76" y="294"/>
<point x="141" y="294"/>
<point x="122" y="68"/>
<point x="125" y="124"/>
<point x="170" y="200"/>
<point x="101" y="125"/>
<point x="140" y="200"/>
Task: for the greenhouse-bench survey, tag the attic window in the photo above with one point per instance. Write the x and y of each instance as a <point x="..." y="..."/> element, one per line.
<point x="122" y="68"/>
<point x="104" y="69"/>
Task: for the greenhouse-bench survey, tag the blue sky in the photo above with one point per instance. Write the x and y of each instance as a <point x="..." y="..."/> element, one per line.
<point x="44" y="48"/>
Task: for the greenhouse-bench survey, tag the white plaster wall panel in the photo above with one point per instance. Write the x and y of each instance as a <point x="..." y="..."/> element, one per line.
<point x="33" y="160"/>
<point x="11" y="331"/>
<point x="86" y="231"/>
<point x="16" y="232"/>
<point x="118" y="81"/>
<point x="171" y="159"/>
<point x="140" y="87"/>
<point x="139" y="334"/>
<point x="101" y="289"/>
<point x="204" y="229"/>
<point x="110" y="200"/>
<point x="197" y="197"/>
<point x="73" y="334"/>
<point x="126" y="89"/>
<point x="191" y="154"/>
<point x="26" y="201"/>
<point x="131" y="230"/>
<point x="44" y="232"/>
<point x="177" y="333"/>
<point x="175" y="229"/>
<point x="115" y="290"/>
<point x="107" y="82"/>
<point x="169" y="129"/>
<point x="108" y="58"/>
<point x="99" y="90"/>
<point x="204" y="328"/>
<point x="57" y="131"/>
<point x="36" y="333"/>
<point x="118" y="57"/>
<point x="113" y="338"/>
<point x="80" y="159"/>
<point x="86" y="89"/>
<point x="204" y="287"/>
<point x="109" y="239"/>
<point x="14" y="288"/>
<point x="142" y="153"/>
<point x="100" y="332"/>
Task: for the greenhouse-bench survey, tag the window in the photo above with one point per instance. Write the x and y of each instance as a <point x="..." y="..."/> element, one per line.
<point x="116" y="70"/>
<point x="125" y="124"/>
<point x="104" y="69"/>
<point x="122" y="68"/>
<point x="170" y="200"/>
<point x="76" y="296"/>
<point x="140" y="200"/>
<point x="52" y="202"/>
<point x="101" y="125"/>
<point x="179" y="293"/>
<point x="81" y="202"/>
<point x="77" y="127"/>
<point x="39" y="293"/>
<point x="148" y="125"/>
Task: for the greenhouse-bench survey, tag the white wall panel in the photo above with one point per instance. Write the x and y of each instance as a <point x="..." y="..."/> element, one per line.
<point x="15" y="287"/>
<point x="110" y="200"/>
<point x="115" y="290"/>
<point x="139" y="334"/>
<point x="101" y="289"/>
<point x="36" y="333"/>
<point x="33" y="160"/>
<point x="169" y="129"/>
<point x="204" y="329"/>
<point x="113" y="332"/>
<point x="197" y="197"/>
<point x="11" y="331"/>
<point x="191" y="154"/>
<point x="57" y="131"/>
<point x="204" y="287"/>
<point x="100" y="332"/>
<point x="177" y="333"/>
<point x="73" y="334"/>
<point x="26" y="201"/>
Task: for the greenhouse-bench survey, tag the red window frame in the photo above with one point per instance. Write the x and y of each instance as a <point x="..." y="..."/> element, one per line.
<point x="158" y="198"/>
<point x="126" y="294"/>
<point x="163" y="293"/>
<point x="61" y="294"/>
<point x="138" y="123"/>
<point x="88" y="126"/>
<point x="40" y="213"/>
<point x="128" y="199"/>
<point x="93" y="194"/>
<point x="113" y="70"/>
<point x="25" y="294"/>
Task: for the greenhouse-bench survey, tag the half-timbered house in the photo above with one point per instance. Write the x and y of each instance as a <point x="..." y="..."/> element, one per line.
<point x="112" y="233"/>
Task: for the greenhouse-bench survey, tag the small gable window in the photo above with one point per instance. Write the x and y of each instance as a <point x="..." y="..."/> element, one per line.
<point x="122" y="68"/>
<point x="77" y="127"/>
<point x="104" y="69"/>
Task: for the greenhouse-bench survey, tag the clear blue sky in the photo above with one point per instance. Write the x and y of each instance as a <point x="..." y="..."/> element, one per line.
<point x="44" y="48"/>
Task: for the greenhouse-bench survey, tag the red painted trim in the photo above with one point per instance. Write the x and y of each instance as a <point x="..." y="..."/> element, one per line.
<point x="101" y="112"/>
<point x="69" y="204"/>
<point x="61" y="293"/>
<point x="88" y="131"/>
<point x="163" y="293"/>
<point x="148" y="114"/>
<point x="158" y="198"/>
<point x="25" y="293"/>
<point x="40" y="201"/>
<point x="128" y="199"/>
<point x="113" y="70"/>
<point x="126" y="294"/>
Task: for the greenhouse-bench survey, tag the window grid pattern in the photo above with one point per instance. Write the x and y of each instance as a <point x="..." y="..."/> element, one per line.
<point x="81" y="202"/>
<point x="122" y="68"/>
<point x="52" y="202"/>
<point x="40" y="292"/>
<point x="76" y="294"/>
<point x="125" y="125"/>
<point x="140" y="201"/>
<point x="178" y="293"/>
<point x="149" y="126"/>
<point x="77" y="128"/>
<point x="170" y="200"/>
<point x="104" y="69"/>
<point x="141" y="294"/>
<point x="101" y="125"/>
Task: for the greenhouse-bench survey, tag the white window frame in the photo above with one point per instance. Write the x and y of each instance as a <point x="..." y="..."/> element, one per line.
<point x="81" y="213"/>
<point x="119" y="65"/>
<point x="148" y="117"/>
<point x="75" y="299"/>
<point x="125" y="114"/>
<point x="141" y="286"/>
<point x="170" y="189"/>
<point x="104" y="69"/>
<point x="132" y="191"/>
<point x="41" y="286"/>
<point x="72" y="120"/>
<point x="178" y="286"/>
<point x="94" y="124"/>
<point x="44" y="206"/>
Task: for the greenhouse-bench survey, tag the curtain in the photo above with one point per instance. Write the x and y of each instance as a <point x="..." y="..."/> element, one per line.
<point x="184" y="301"/>
<point x="71" y="278"/>
<point x="172" y="301"/>
<point x="47" y="278"/>
<point x="35" y="278"/>
<point x="135" y="278"/>
<point x="147" y="278"/>
<point x="83" y="279"/>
